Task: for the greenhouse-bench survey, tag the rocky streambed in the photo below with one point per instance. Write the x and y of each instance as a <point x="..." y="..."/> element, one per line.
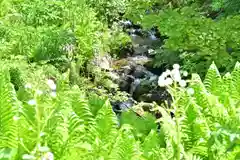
<point x="135" y="74"/>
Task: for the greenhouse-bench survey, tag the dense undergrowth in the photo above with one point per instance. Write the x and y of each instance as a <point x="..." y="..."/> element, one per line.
<point x="47" y="111"/>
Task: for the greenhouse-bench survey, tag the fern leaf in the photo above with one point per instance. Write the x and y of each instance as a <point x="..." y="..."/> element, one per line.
<point x="66" y="135"/>
<point x="200" y="92"/>
<point x="236" y="82"/>
<point x="151" y="145"/>
<point x="8" y="109"/>
<point x="106" y="124"/>
<point x="81" y="108"/>
<point x="142" y="125"/>
<point x="125" y="148"/>
<point x="213" y="80"/>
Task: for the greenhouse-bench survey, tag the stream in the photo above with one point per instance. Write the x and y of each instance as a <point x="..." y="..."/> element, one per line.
<point x="135" y="74"/>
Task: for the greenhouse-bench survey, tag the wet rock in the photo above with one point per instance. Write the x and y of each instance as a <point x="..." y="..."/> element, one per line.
<point x="126" y="24"/>
<point x="140" y="50"/>
<point x="135" y="73"/>
<point x="139" y="59"/>
<point x="114" y="76"/>
<point x="154" y="69"/>
<point x="125" y="83"/>
<point x="134" y="85"/>
<point x="140" y="89"/>
<point x="127" y="70"/>
<point x="103" y="62"/>
<point x="119" y="107"/>
<point x="141" y="72"/>
<point x="157" y="96"/>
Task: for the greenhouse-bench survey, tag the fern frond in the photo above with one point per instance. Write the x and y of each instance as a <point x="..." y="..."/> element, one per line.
<point x="125" y="147"/>
<point x="190" y="127"/>
<point x="81" y="108"/>
<point x="200" y="151"/>
<point x="151" y="146"/>
<point x="213" y="80"/>
<point x="66" y="135"/>
<point x="192" y="157"/>
<point x="101" y="133"/>
<point x="141" y="125"/>
<point x="236" y="82"/>
<point x="200" y="92"/>
<point x="106" y="124"/>
<point x="8" y="109"/>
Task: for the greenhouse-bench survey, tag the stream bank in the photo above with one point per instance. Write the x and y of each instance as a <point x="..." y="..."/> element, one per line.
<point x="134" y="74"/>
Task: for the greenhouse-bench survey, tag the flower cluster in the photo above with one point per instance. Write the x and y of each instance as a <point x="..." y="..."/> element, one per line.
<point x="53" y="87"/>
<point x="169" y="77"/>
<point x="51" y="84"/>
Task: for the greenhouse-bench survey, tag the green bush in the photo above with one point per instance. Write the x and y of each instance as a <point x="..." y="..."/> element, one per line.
<point x="52" y="30"/>
<point x="227" y="7"/>
<point x="109" y="10"/>
<point x="197" y="40"/>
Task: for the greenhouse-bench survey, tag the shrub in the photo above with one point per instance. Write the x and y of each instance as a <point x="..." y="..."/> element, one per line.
<point x="109" y="11"/>
<point x="52" y="31"/>
<point x="197" y="40"/>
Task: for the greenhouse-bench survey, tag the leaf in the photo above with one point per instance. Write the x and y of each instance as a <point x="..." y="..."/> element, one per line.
<point x="213" y="80"/>
<point x="8" y="109"/>
<point x="7" y="153"/>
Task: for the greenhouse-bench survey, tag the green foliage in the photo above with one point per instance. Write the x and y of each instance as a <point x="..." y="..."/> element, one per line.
<point x="206" y="120"/>
<point x="69" y="126"/>
<point x="197" y="40"/>
<point x="143" y="125"/>
<point x="9" y="109"/>
<point x="109" y="10"/>
<point x="53" y="31"/>
<point x="229" y="7"/>
<point x="40" y="118"/>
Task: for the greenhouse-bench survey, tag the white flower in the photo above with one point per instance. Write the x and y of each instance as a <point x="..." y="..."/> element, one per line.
<point x="39" y="92"/>
<point x="32" y="102"/>
<point x="201" y="140"/>
<point x="176" y="76"/>
<point x="168" y="81"/>
<point x="185" y="73"/>
<point x="161" y="81"/>
<point x="150" y="51"/>
<point x="42" y="134"/>
<point x="48" y="156"/>
<point x="176" y="66"/>
<point x="27" y="156"/>
<point x="51" y="84"/>
<point x="190" y="91"/>
<point x="28" y="86"/>
<point x="168" y="72"/>
<point x="164" y="74"/>
<point x="182" y="83"/>
<point x="16" y="118"/>
<point x="53" y="94"/>
<point x="43" y="148"/>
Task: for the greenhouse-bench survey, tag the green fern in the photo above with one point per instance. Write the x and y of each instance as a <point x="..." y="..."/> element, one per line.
<point x="213" y="79"/>
<point x="141" y="125"/>
<point x="126" y="147"/>
<point x="104" y="131"/>
<point x="235" y="93"/>
<point x="200" y="92"/>
<point x="8" y="111"/>
<point x="150" y="146"/>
